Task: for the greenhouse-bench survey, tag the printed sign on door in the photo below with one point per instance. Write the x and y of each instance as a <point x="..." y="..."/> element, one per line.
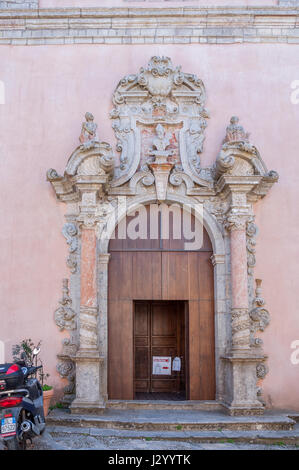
<point x="161" y="365"/>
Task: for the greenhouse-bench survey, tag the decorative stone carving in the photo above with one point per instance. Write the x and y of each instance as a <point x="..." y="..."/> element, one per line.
<point x="160" y="144"/>
<point x="88" y="136"/>
<point x="52" y="175"/>
<point x="240" y="328"/>
<point x="67" y="370"/>
<point x="235" y="221"/>
<point x="238" y="157"/>
<point x="259" y="316"/>
<point x="251" y="233"/>
<point x="261" y="371"/>
<point x="159" y="119"/>
<point x="97" y="162"/>
<point x="160" y="94"/>
<point x="88" y="327"/>
<point x="69" y="348"/>
<point x="161" y="166"/>
<point x="235" y="132"/>
<point x="65" y="317"/>
<point x="70" y="232"/>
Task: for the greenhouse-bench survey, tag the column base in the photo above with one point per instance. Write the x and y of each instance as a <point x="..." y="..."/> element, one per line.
<point x="88" y="383"/>
<point x="241" y="409"/>
<point x="241" y="398"/>
<point x="80" y="406"/>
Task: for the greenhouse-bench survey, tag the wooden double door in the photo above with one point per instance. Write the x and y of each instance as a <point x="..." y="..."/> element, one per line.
<point x="159" y="340"/>
<point x="160" y="303"/>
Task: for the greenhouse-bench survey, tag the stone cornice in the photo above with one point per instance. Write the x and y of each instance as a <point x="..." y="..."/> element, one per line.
<point x="150" y="25"/>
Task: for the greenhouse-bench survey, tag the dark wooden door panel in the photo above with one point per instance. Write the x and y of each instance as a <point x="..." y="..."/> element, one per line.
<point x="201" y="350"/>
<point x="142" y="347"/>
<point x="158" y="331"/>
<point x="175" y="276"/>
<point x="120" y="350"/>
<point x="146" y="276"/>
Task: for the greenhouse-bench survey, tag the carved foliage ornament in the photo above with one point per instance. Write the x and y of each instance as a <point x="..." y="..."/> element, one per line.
<point x="65" y="317"/>
<point x="259" y="316"/>
<point x="70" y="233"/>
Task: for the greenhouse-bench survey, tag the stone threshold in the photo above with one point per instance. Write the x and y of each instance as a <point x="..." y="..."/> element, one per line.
<point x="207" y="405"/>
<point x="187" y="25"/>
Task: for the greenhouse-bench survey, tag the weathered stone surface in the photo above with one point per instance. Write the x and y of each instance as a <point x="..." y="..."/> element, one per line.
<point x="13" y="4"/>
<point x="163" y="25"/>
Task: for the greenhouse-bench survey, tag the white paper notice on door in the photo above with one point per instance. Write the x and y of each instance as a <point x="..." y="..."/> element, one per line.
<point x="161" y="365"/>
<point x="176" y="364"/>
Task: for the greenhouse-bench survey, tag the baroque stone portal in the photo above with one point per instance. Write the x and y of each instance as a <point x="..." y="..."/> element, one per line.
<point x="159" y="119"/>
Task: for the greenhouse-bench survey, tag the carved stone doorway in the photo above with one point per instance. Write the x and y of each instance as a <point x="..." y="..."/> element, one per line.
<point x="159" y="119"/>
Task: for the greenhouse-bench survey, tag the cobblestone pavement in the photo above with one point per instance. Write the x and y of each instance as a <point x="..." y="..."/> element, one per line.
<point x="81" y="442"/>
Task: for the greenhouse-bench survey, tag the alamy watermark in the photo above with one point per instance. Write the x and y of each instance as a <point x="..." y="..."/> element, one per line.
<point x="295" y="92"/>
<point x="153" y="222"/>
<point x="295" y="353"/>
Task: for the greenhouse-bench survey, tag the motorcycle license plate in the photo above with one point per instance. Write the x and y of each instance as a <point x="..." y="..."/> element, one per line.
<point x="8" y="427"/>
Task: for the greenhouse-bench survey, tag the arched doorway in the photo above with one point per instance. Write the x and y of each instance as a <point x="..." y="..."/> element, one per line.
<point x="160" y="305"/>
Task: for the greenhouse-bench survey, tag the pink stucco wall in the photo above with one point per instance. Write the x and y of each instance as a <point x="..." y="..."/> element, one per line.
<point x="48" y="90"/>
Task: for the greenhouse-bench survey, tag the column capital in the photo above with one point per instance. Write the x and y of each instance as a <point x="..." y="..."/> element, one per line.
<point x="237" y="219"/>
<point x="217" y="259"/>
<point x="104" y="258"/>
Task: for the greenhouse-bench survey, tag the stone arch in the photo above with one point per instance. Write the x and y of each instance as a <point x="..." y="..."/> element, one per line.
<point x="209" y="222"/>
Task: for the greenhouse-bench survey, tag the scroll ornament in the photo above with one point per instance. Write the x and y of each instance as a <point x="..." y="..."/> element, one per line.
<point x="65" y="315"/>
<point x="259" y="316"/>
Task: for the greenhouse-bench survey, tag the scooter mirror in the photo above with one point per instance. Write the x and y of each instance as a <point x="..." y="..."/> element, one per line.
<point x="36" y="351"/>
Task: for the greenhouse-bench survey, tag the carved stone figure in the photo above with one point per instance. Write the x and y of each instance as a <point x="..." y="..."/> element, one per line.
<point x="89" y="135"/>
<point x="235" y="132"/>
<point x="160" y="144"/>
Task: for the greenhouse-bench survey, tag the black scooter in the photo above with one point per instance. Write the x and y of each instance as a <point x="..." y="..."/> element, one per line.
<point x="21" y="404"/>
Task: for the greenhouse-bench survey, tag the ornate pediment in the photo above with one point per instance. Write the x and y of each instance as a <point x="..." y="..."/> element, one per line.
<point x="240" y="163"/>
<point x="160" y="95"/>
<point x="92" y="163"/>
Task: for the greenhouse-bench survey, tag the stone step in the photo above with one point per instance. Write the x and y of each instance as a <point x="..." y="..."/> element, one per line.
<point x="279" y="438"/>
<point x="166" y="420"/>
<point x="208" y="405"/>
